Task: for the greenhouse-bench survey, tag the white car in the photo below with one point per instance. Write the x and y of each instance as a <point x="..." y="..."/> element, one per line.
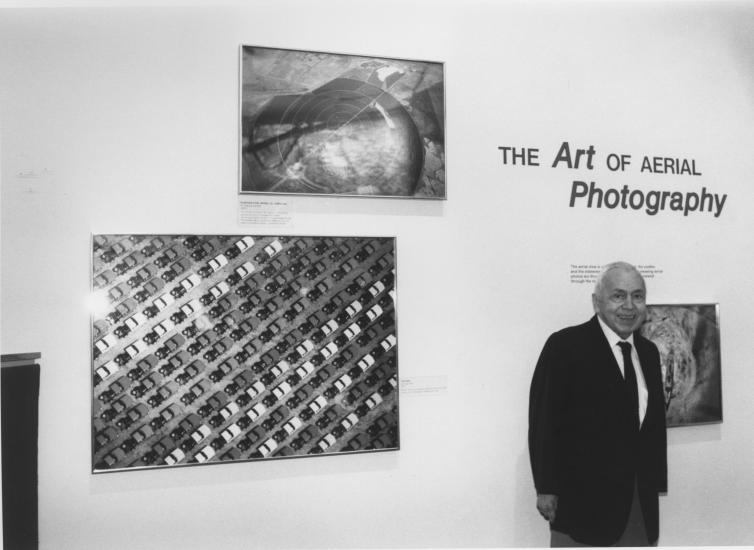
<point x="106" y="370"/>
<point x="164" y="327"/>
<point x="305" y="369"/>
<point x="105" y="343"/>
<point x="256" y="411"/>
<point x="329" y="350"/>
<point x="273" y="248"/>
<point x="135" y="320"/>
<point x="191" y="281"/>
<point x="244" y="244"/>
<point x="376" y="289"/>
<point x="282" y="390"/>
<point x="318" y="403"/>
<point x="292" y="425"/>
<point x="217" y="262"/>
<point x="353" y="308"/>
<point x="349" y="421"/>
<point x="267" y="447"/>
<point x="329" y="327"/>
<point x="280" y="368"/>
<point x="191" y="307"/>
<point x="245" y="270"/>
<point x="365" y="362"/>
<point x="255" y="389"/>
<point x="202" y="432"/>
<point x="231" y="432"/>
<point x="136" y="348"/>
<point x="389" y="342"/>
<point x="352" y="331"/>
<point x="219" y="289"/>
<point x="342" y="383"/>
<point x="175" y="457"/>
<point x="326" y="442"/>
<point x="373" y="400"/>
<point x="305" y="347"/>
<point x="161" y="302"/>
<point x="229" y="410"/>
<point x="205" y="454"/>
<point x="374" y="312"/>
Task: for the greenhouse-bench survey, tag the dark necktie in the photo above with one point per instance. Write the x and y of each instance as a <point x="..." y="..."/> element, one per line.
<point x="632" y="388"/>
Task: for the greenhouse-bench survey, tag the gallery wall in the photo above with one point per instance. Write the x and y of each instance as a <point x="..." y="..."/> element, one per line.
<point x="125" y="120"/>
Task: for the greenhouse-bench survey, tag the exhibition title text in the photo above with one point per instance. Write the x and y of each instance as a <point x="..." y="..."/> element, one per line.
<point x="590" y="195"/>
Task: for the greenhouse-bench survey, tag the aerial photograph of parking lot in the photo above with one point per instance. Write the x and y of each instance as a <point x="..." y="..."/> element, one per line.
<point x="212" y="348"/>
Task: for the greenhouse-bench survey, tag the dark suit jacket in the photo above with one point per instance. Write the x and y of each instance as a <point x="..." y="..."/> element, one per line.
<point x="581" y="444"/>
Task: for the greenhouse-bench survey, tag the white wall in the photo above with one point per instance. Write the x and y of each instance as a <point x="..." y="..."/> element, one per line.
<point x="127" y="121"/>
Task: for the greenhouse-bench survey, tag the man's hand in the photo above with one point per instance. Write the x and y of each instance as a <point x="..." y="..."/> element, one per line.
<point x="547" y="506"/>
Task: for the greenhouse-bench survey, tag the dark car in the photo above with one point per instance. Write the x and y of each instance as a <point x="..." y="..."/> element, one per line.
<point x="276" y="284"/>
<point x="146" y="384"/>
<point x="202" y="341"/>
<point x="192" y="370"/>
<point x="186" y="425"/>
<point x="166" y="415"/>
<point x="103" y="279"/>
<point x="114" y="389"/>
<point x="129" y="262"/>
<point x="116" y="250"/>
<point x="214" y="403"/>
<point x="364" y="252"/>
<point x="274" y="418"/>
<point x="170" y="345"/>
<point x="162" y="394"/>
<point x="303" y="437"/>
<point x="133" y="414"/>
<point x="322" y="246"/>
<point x="140" y="434"/>
<point x="178" y="267"/>
<point x="345" y="268"/>
<point x="217" y="349"/>
<point x="339" y="251"/>
<point x="298" y="397"/>
<point x="316" y="293"/>
<point x="179" y="359"/>
<point x="116" y="407"/>
<point x="168" y="255"/>
<point x="292" y="288"/>
<point x="267" y="335"/>
<point x="142" y="274"/>
<point x="195" y="391"/>
<point x="224" y="369"/>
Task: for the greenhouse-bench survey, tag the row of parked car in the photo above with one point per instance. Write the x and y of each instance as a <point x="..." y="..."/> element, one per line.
<point x="244" y="352"/>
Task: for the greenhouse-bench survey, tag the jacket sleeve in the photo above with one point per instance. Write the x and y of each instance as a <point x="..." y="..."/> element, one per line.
<point x="547" y="402"/>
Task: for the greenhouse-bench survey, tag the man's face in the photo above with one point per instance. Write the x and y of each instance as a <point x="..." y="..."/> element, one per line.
<point x="621" y="303"/>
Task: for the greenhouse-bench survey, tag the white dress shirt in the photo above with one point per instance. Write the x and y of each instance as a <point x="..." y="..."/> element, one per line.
<point x="613" y="340"/>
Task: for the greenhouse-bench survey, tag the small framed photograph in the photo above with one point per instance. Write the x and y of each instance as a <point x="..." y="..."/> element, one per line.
<point x="688" y="337"/>
<point x="213" y="348"/>
<point x="315" y="123"/>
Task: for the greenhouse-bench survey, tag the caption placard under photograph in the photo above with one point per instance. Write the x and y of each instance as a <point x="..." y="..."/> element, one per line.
<point x="232" y="348"/>
<point x="335" y="124"/>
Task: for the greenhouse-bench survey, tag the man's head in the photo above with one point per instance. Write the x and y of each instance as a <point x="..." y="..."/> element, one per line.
<point x="619" y="298"/>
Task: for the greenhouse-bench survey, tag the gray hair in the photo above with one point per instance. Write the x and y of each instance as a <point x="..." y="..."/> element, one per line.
<point x="608" y="268"/>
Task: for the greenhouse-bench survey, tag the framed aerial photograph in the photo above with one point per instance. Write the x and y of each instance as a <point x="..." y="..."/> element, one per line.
<point x="212" y="348"/>
<point x="688" y="337"/>
<point x="318" y="123"/>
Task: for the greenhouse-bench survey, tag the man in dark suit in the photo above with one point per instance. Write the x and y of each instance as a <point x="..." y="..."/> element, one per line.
<point x="597" y="439"/>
